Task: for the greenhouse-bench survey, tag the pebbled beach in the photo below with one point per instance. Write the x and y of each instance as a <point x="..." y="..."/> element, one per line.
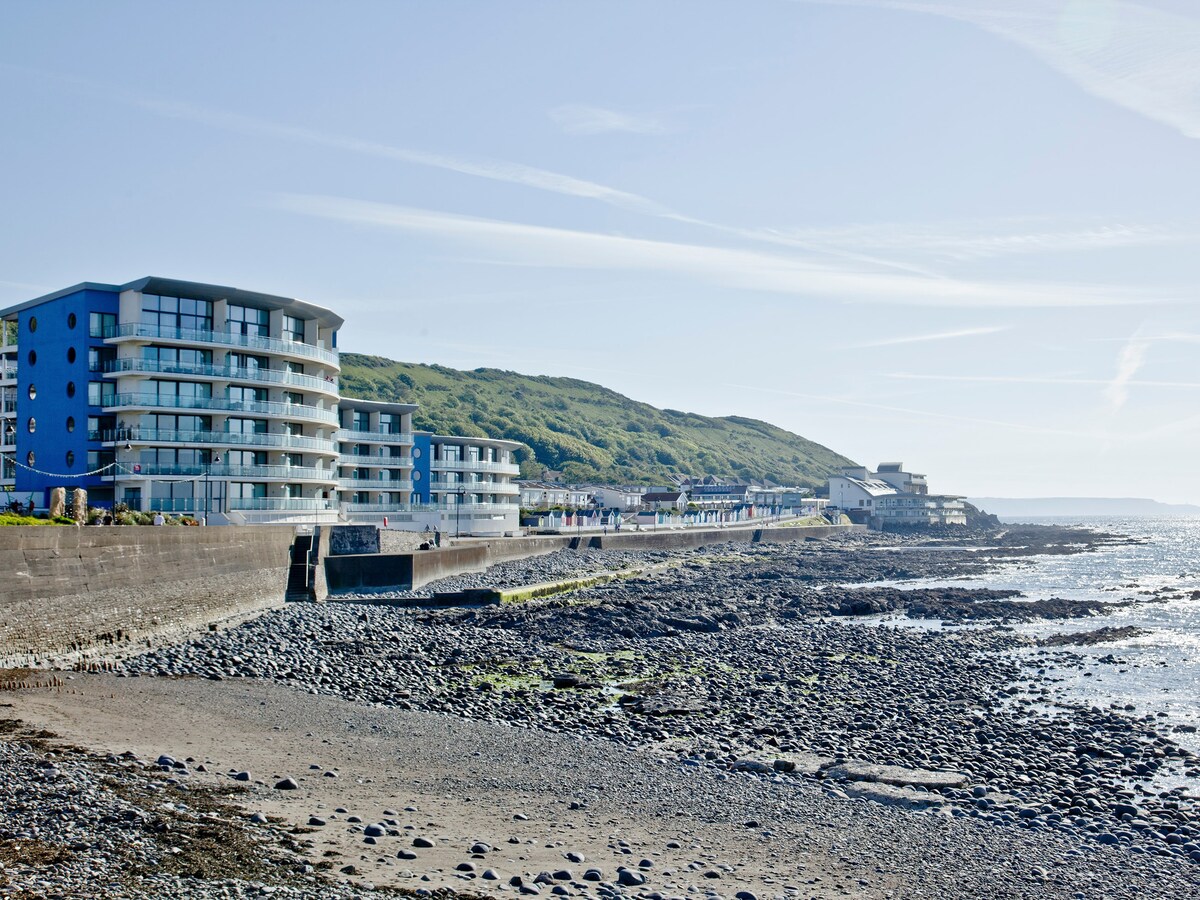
<point x="723" y="725"/>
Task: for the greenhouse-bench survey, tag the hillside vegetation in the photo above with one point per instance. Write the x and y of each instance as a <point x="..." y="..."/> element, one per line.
<point x="586" y="431"/>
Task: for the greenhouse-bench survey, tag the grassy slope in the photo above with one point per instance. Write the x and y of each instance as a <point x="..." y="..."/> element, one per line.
<point x="587" y="431"/>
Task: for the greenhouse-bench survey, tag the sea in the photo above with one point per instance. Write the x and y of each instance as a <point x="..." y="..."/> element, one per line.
<point x="1158" y="672"/>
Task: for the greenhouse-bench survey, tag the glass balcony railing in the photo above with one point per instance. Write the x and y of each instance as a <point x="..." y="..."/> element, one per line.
<point x="378" y="462"/>
<point x="253" y="342"/>
<point x="372" y="484"/>
<point x="475" y="487"/>
<point x="280" y="504"/>
<point x="232" y="373"/>
<point x="373" y="437"/>
<point x="380" y="507"/>
<point x="220" y="404"/>
<point x="288" y="473"/>
<point x="466" y="465"/>
<point x="139" y="435"/>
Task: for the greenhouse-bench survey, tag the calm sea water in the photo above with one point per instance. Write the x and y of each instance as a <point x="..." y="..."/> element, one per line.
<point x="1160" y="671"/>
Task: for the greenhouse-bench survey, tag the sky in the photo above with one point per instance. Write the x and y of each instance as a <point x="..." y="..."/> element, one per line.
<point x="960" y="234"/>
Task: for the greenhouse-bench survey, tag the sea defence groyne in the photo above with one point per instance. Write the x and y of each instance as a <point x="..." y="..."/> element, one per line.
<point x="367" y="572"/>
<point x="79" y="593"/>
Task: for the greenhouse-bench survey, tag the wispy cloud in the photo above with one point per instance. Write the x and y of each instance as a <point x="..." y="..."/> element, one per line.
<point x="536" y="245"/>
<point x="922" y="338"/>
<point x="494" y="170"/>
<point x="973" y="240"/>
<point x="576" y="118"/>
<point x="1129" y="362"/>
<point x="923" y="413"/>
<point x="1143" y="59"/>
<point x="1064" y="380"/>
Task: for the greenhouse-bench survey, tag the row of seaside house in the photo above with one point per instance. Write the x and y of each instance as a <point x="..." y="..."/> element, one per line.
<point x="224" y="404"/>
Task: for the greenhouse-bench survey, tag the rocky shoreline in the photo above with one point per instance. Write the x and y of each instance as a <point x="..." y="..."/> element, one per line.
<point x="753" y="662"/>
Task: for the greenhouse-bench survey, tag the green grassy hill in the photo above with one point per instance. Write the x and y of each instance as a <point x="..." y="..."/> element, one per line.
<point x="586" y="431"/>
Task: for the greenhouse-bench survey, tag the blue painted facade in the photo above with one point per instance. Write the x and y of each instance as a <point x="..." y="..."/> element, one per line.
<point x="53" y="379"/>
<point x="422" y="451"/>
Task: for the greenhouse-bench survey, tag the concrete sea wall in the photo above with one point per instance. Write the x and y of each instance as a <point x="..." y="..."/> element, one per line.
<point x="80" y="593"/>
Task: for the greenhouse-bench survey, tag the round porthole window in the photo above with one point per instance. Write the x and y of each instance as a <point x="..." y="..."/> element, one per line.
<point x="30" y="458"/>
<point x="71" y="320"/>
<point x="70" y="458"/>
<point x="70" y="423"/>
<point x="31" y="424"/>
<point x="70" y="354"/>
<point x="70" y="389"/>
<point x="33" y="323"/>
<point x="32" y="357"/>
<point x="33" y="392"/>
<point x="416" y="476"/>
<point x="416" y="452"/>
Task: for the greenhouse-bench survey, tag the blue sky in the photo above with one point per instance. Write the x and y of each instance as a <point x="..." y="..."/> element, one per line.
<point x="958" y="233"/>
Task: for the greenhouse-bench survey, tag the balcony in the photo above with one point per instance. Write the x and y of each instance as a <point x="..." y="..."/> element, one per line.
<point x="278" y="504"/>
<point x="377" y="462"/>
<point x="352" y="508"/>
<point x="373" y="484"/>
<point x="372" y="437"/>
<point x="285" y="473"/>
<point x="222" y="338"/>
<point x="138" y="435"/>
<point x="219" y="404"/>
<point x="475" y="487"/>
<point x="466" y="465"/>
<point x="227" y="373"/>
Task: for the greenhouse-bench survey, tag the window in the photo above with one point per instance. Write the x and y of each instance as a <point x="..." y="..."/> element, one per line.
<point x="32" y="357"/>
<point x="294" y="368"/>
<point x="177" y="359"/>
<point x="70" y="354"/>
<point x="248" y="321"/>
<point x="30" y="458"/>
<point x="292" y="490"/>
<point x="246" y="426"/>
<point x="293" y="329"/>
<point x="98" y="459"/>
<point x="102" y="393"/>
<point x="246" y="457"/>
<point x="71" y="320"/>
<point x="247" y="361"/>
<point x="360" y="421"/>
<point x="293" y="459"/>
<point x="102" y="325"/>
<point x="70" y="458"/>
<point x="32" y="323"/>
<point x="99" y="428"/>
<point x="176" y="313"/>
<point x="33" y="392"/>
<point x="293" y="397"/>
<point x="238" y="394"/>
<point x="189" y="457"/>
<point x="293" y="428"/>
<point x="100" y="358"/>
<point x="245" y="490"/>
<point x="170" y="423"/>
<point x="70" y="389"/>
<point x="31" y="424"/>
<point x="170" y="393"/>
<point x="389" y="423"/>
<point x="70" y="423"/>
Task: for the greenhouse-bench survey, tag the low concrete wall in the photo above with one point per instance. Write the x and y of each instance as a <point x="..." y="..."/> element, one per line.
<point x="77" y="593"/>
<point x="370" y="573"/>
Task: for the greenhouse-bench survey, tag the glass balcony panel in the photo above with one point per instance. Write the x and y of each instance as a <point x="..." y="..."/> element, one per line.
<point x="224" y="338"/>
<point x="261" y="407"/>
<point x="232" y="373"/>
<point x="138" y="435"/>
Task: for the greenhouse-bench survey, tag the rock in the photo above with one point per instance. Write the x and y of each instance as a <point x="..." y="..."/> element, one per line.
<point x="287" y="784"/>
<point x="316" y="821"/>
<point x="629" y="878"/>
<point x="422" y="843"/>
<point x="375" y="831"/>
<point x="899" y="776"/>
<point x="593" y="875"/>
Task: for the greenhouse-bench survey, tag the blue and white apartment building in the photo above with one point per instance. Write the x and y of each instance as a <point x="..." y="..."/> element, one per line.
<point x="223" y="404"/>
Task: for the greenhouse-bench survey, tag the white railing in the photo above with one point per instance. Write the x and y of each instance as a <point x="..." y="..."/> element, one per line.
<point x="465" y="465"/>
<point x="221" y="404"/>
